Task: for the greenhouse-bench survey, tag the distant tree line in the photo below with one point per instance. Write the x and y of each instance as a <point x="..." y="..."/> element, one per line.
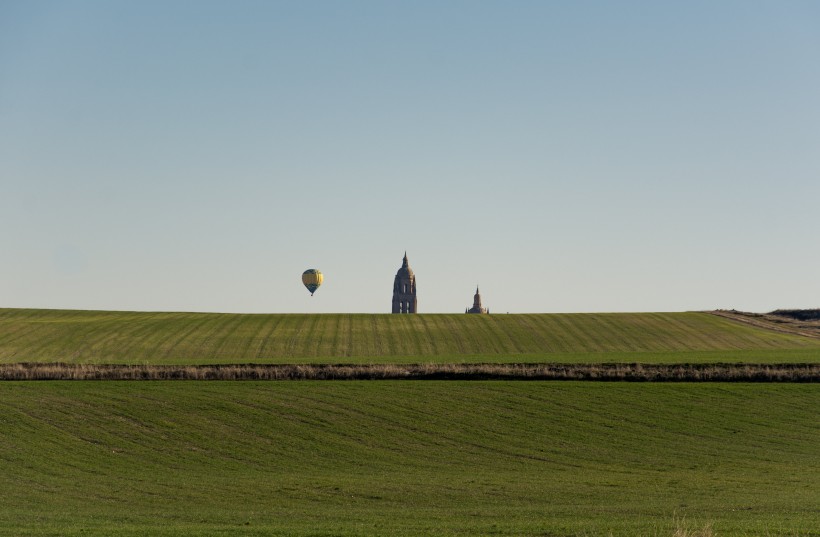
<point x="802" y="315"/>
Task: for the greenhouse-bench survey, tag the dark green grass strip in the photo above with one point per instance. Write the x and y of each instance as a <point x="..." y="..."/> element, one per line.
<point x="120" y="459"/>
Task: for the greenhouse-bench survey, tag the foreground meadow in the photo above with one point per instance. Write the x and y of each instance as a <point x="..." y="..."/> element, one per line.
<point x="408" y="458"/>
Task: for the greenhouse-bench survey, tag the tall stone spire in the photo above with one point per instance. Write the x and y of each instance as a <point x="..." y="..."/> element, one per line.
<point x="404" y="289"/>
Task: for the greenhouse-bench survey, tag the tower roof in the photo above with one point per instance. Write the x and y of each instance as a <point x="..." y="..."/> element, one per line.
<point x="405" y="270"/>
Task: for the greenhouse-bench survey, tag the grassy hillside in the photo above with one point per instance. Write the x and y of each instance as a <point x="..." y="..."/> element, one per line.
<point x="188" y="338"/>
<point x="407" y="458"/>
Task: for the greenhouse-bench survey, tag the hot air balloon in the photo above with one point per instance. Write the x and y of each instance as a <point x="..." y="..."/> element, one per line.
<point x="312" y="279"/>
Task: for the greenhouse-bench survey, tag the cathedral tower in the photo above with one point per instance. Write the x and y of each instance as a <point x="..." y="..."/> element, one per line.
<point x="404" y="289"/>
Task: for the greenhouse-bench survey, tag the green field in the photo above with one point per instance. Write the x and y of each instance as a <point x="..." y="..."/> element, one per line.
<point x="356" y="458"/>
<point x="207" y="338"/>
<point x="408" y="458"/>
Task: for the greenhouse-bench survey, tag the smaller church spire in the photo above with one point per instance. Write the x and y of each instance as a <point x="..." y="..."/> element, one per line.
<point x="477" y="308"/>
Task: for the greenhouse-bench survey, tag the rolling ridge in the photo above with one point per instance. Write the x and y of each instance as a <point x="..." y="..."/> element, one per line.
<point x="209" y="338"/>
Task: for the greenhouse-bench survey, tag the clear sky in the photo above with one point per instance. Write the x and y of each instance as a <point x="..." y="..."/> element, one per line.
<point x="566" y="156"/>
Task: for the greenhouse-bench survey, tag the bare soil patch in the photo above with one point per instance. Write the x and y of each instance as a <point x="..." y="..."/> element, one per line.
<point x="798" y="322"/>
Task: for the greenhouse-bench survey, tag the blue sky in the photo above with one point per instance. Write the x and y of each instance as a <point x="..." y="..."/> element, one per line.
<point x="566" y="156"/>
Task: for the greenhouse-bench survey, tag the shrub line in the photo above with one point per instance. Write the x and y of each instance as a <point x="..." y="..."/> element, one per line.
<point x="623" y="372"/>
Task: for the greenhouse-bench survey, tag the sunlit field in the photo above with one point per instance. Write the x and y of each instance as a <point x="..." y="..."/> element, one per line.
<point x="208" y="338"/>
